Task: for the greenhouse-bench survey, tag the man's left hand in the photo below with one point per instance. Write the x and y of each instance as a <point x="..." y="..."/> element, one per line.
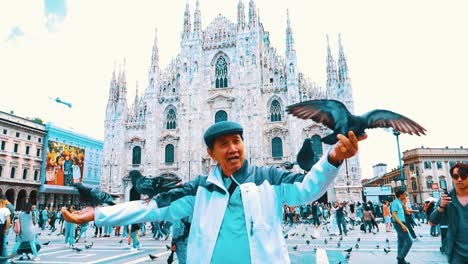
<point x="345" y="148"/>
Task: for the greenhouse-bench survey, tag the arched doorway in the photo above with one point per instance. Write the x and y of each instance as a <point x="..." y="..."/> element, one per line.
<point x="33" y="197"/>
<point x="21" y="200"/>
<point x="10" y="195"/>
<point x="134" y="195"/>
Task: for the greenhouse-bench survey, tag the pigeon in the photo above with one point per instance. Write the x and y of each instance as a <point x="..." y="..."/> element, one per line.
<point x="93" y="196"/>
<point x="331" y="238"/>
<point x="305" y="157"/>
<point x="287" y="165"/>
<point x="386" y="240"/>
<point x="293" y="234"/>
<point x="303" y="235"/>
<point x="358" y="239"/>
<point x="326" y="242"/>
<point x="286" y="236"/>
<point x="77" y="249"/>
<point x="89" y="246"/>
<point x="311" y="236"/>
<point x="121" y="241"/>
<point x="315" y="249"/>
<point x="152" y="257"/>
<point x="334" y="115"/>
<point x="356" y="246"/>
<point x="348" y="255"/>
<point x="46" y="243"/>
<point x="377" y="246"/>
<point x="341" y="238"/>
<point x="386" y="250"/>
<point x="307" y="242"/>
<point x="152" y="186"/>
<point x="294" y="247"/>
<point x="349" y="249"/>
<point x="338" y="244"/>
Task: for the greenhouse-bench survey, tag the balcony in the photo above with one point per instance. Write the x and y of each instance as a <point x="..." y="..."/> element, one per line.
<point x="3" y="153"/>
<point x="169" y="166"/>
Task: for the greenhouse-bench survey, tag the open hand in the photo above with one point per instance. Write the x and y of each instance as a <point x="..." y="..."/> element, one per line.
<point x="345" y="148"/>
<point x="79" y="217"/>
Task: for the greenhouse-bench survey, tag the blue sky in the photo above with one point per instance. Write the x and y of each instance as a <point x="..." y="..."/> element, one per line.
<point x="57" y="7"/>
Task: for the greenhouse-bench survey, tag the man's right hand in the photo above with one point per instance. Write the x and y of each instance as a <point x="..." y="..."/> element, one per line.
<point x="445" y="200"/>
<point x="79" y="217"/>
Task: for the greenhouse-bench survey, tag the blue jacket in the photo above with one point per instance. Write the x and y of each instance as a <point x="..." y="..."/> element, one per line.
<point x="205" y="198"/>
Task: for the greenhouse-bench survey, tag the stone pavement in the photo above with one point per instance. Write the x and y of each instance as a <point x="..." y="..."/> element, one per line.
<point x="109" y="250"/>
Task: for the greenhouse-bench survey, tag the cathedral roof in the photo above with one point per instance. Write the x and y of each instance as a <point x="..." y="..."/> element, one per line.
<point x="221" y="32"/>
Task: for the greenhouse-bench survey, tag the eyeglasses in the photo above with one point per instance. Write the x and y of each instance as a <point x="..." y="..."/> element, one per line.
<point x="457" y="176"/>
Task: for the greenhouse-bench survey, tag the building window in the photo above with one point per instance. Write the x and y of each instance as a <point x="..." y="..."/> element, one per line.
<point x="439" y="165"/>
<point x="3" y="145"/>
<point x="5" y="131"/>
<point x="38" y="152"/>
<point x="427" y="165"/>
<point x="15" y="148"/>
<point x="27" y="150"/>
<point x="171" y="119"/>
<point x="169" y="154"/>
<point x="451" y="163"/>
<point x="29" y="137"/>
<point x="221" y="73"/>
<point x="25" y="174"/>
<point x="136" y="155"/>
<point x="317" y="147"/>
<point x="276" y="147"/>
<point x="220" y="116"/>
<point x="39" y="140"/>
<point x="429" y="182"/>
<point x="17" y="134"/>
<point x="413" y="185"/>
<point x="411" y="166"/>
<point x="275" y="111"/>
<point x="12" y="172"/>
<point x="36" y="175"/>
<point x="442" y="183"/>
<point x="1" y="170"/>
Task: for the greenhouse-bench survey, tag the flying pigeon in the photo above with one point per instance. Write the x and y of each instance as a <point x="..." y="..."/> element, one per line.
<point x="349" y="249"/>
<point x="93" y="196"/>
<point x="305" y="157"/>
<point x="154" y="185"/>
<point x="294" y="247"/>
<point x="334" y="115"/>
<point x="46" y="243"/>
<point x="152" y="257"/>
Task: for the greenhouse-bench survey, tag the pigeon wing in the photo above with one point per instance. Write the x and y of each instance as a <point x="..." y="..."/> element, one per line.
<point x="305" y="157"/>
<point x="166" y="183"/>
<point x="100" y="197"/>
<point x="386" y="118"/>
<point x="144" y="185"/>
<point x="84" y="192"/>
<point x="325" y="112"/>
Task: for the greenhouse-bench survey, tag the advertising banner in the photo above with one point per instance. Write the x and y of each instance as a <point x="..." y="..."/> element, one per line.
<point x="64" y="164"/>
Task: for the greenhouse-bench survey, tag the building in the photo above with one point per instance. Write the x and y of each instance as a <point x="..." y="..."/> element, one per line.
<point x="427" y="170"/>
<point x="389" y="179"/>
<point x="69" y="157"/>
<point x="21" y="150"/>
<point x="379" y="169"/>
<point x="225" y="71"/>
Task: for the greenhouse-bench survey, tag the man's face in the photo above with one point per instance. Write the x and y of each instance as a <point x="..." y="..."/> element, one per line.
<point x="458" y="182"/>
<point x="228" y="151"/>
<point x="402" y="197"/>
<point x="33" y="207"/>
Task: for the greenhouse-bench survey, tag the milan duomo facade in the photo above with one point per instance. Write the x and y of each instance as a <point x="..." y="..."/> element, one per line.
<point x="226" y="71"/>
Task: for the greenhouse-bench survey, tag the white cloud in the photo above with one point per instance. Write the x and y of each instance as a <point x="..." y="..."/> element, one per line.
<point x="404" y="56"/>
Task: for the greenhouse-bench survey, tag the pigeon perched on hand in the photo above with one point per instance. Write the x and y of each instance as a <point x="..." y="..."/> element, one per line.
<point x="154" y="185"/>
<point x="334" y="115"/>
<point x="93" y="196"/>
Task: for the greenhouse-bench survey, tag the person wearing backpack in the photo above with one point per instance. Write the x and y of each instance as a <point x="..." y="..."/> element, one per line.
<point x="25" y="231"/>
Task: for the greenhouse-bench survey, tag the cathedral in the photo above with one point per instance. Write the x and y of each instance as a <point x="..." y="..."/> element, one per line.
<point x="225" y="71"/>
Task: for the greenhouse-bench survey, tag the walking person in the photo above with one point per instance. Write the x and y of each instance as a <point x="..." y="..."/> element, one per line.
<point x="340" y="218"/>
<point x="135" y="234"/>
<point x="5" y="221"/>
<point x="404" y="241"/>
<point x="235" y="208"/>
<point x="452" y="209"/>
<point x="387" y="216"/>
<point x="27" y="232"/>
<point x="429" y="211"/>
<point x="83" y="231"/>
<point x="70" y="230"/>
<point x="367" y="217"/>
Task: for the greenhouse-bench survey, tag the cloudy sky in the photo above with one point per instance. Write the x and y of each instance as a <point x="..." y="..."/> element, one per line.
<point x="405" y="56"/>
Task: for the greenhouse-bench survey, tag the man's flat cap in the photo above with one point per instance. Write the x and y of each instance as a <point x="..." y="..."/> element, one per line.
<point x="219" y="129"/>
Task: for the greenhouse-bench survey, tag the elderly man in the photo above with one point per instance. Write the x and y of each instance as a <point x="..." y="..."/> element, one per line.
<point x="236" y="211"/>
<point x="452" y="209"/>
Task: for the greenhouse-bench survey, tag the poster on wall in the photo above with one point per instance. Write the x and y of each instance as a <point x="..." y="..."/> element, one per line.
<point x="64" y="164"/>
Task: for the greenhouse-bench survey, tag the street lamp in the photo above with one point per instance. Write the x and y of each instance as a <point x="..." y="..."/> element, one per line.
<point x="402" y="177"/>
